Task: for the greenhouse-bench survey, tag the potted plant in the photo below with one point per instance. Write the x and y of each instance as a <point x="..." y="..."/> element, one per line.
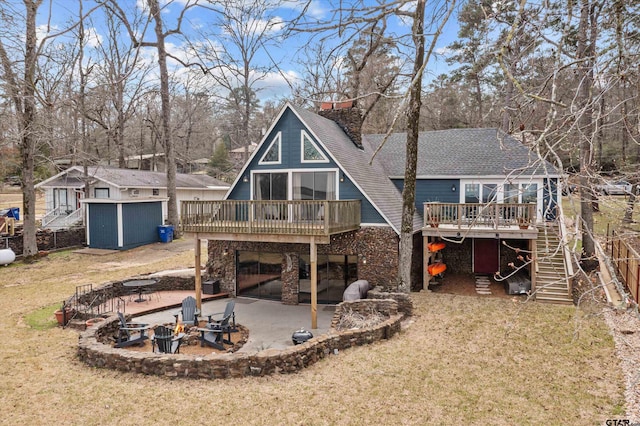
<point x="523" y="222"/>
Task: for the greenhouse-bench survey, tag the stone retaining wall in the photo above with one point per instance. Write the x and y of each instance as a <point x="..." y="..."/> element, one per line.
<point x="405" y="305"/>
<point x="95" y="353"/>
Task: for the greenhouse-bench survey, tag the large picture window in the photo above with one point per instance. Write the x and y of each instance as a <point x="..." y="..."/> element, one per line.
<point x="270" y="186"/>
<point x="314" y="186"/>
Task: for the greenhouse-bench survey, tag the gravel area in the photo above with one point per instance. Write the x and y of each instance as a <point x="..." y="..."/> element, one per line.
<point x="625" y="327"/>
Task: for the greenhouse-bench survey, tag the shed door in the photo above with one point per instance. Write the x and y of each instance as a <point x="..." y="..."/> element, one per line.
<point x="103" y="226"/>
<point x="485" y="256"/>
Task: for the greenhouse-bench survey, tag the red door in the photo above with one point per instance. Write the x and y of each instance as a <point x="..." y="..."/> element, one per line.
<point x="485" y="256"/>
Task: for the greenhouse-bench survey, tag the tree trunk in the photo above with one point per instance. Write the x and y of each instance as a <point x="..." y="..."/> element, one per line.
<point x="413" y="130"/>
<point x="172" y="207"/>
<point x="28" y="142"/>
<point x="585" y="52"/>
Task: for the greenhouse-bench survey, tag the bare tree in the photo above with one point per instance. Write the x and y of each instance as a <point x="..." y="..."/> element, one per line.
<point x="239" y="31"/>
<point x="161" y="35"/>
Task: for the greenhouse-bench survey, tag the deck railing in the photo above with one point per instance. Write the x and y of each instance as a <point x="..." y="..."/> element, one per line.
<point x="284" y="217"/>
<point x="493" y="215"/>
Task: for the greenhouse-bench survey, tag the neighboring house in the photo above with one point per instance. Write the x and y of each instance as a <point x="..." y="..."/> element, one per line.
<point x="314" y="208"/>
<point x="64" y="192"/>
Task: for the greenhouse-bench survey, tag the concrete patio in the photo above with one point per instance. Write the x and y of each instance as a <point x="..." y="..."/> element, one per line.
<point x="270" y="323"/>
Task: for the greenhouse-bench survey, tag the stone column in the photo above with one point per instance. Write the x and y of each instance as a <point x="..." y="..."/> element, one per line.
<point x="290" y="278"/>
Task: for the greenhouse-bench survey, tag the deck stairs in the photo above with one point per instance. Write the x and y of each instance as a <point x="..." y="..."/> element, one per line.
<point x="552" y="282"/>
<point x="63" y="221"/>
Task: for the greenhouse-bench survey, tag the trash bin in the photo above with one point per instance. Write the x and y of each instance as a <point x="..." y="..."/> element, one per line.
<point x="165" y="232"/>
<point x="211" y="287"/>
<point x="13" y="212"/>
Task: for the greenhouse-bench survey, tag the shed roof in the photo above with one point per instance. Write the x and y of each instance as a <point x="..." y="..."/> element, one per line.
<point x="126" y="178"/>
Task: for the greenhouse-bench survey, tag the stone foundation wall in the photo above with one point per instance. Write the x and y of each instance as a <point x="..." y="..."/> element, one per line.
<point x="376" y="248"/>
<point x="458" y="256"/>
<point x="48" y="240"/>
<point x="94" y="353"/>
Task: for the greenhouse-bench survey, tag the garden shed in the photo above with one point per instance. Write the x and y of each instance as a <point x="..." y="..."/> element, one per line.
<point x="122" y="224"/>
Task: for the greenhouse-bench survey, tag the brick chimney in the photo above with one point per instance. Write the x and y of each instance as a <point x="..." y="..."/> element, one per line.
<point x="347" y="116"/>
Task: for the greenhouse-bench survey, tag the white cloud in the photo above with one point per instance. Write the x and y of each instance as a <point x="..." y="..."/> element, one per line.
<point x="93" y="38"/>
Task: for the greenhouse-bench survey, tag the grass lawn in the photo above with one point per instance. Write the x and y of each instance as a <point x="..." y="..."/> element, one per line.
<point x="462" y="360"/>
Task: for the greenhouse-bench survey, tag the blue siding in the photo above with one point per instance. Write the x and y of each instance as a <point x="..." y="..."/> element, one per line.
<point x="291" y="129"/>
<point x="368" y="213"/>
<point x="103" y="226"/>
<point x="140" y="223"/>
<point x="433" y="190"/>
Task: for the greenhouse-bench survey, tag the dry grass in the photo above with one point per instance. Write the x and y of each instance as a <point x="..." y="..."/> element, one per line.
<point x="11" y="196"/>
<point x="479" y="361"/>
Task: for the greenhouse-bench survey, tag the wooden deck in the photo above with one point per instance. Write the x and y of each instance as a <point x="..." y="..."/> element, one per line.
<point x="285" y="217"/>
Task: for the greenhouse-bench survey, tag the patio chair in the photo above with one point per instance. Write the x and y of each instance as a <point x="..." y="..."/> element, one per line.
<point x="189" y="312"/>
<point x="211" y="337"/>
<point x="131" y="333"/>
<point x="222" y="326"/>
<point x="165" y="340"/>
<point x="228" y="314"/>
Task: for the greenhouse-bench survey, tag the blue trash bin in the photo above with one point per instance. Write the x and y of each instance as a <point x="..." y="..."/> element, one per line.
<point x="165" y="232"/>
<point x="14" y="212"/>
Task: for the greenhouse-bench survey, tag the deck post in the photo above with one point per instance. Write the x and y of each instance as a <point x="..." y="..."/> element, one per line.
<point x="313" y="255"/>
<point x="198" y="278"/>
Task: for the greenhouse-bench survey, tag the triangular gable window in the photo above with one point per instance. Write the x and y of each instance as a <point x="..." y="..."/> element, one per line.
<point x="310" y="151"/>
<point x="272" y="156"/>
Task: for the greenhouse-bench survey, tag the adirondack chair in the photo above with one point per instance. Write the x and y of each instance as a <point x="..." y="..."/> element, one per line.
<point x="165" y="340"/>
<point x="211" y="337"/>
<point x="131" y="333"/>
<point x="189" y="312"/>
<point x="223" y="325"/>
<point x="228" y="315"/>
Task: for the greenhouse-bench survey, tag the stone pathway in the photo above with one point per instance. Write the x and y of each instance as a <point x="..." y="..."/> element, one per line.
<point x="482" y="285"/>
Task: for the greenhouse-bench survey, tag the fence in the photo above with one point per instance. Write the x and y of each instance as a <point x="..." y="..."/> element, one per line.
<point x="627" y="261"/>
<point x="47" y="240"/>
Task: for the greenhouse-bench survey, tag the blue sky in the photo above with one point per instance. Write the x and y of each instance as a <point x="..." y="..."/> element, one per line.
<point x="283" y="52"/>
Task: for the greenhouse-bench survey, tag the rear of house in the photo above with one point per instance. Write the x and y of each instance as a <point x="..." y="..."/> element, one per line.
<point x="313" y="200"/>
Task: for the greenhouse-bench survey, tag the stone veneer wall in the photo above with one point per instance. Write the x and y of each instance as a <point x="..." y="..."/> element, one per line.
<point x="378" y="245"/>
<point x="94" y="353"/>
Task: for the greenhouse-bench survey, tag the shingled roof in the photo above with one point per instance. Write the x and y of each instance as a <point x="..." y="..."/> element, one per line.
<point x="462" y="153"/>
<point x="126" y="178"/>
<point x="371" y="179"/>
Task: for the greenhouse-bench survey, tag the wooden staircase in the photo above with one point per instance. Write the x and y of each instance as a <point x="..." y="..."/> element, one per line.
<point x="552" y="285"/>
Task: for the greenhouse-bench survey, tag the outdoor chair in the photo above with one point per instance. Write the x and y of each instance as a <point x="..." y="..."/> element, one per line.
<point x="189" y="312"/>
<point x="165" y="340"/>
<point x="211" y="337"/>
<point x="131" y="333"/>
<point x="223" y="325"/>
<point x="229" y="315"/>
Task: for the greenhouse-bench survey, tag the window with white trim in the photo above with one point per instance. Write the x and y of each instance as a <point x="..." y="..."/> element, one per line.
<point x="273" y="154"/>
<point x="310" y="151"/>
